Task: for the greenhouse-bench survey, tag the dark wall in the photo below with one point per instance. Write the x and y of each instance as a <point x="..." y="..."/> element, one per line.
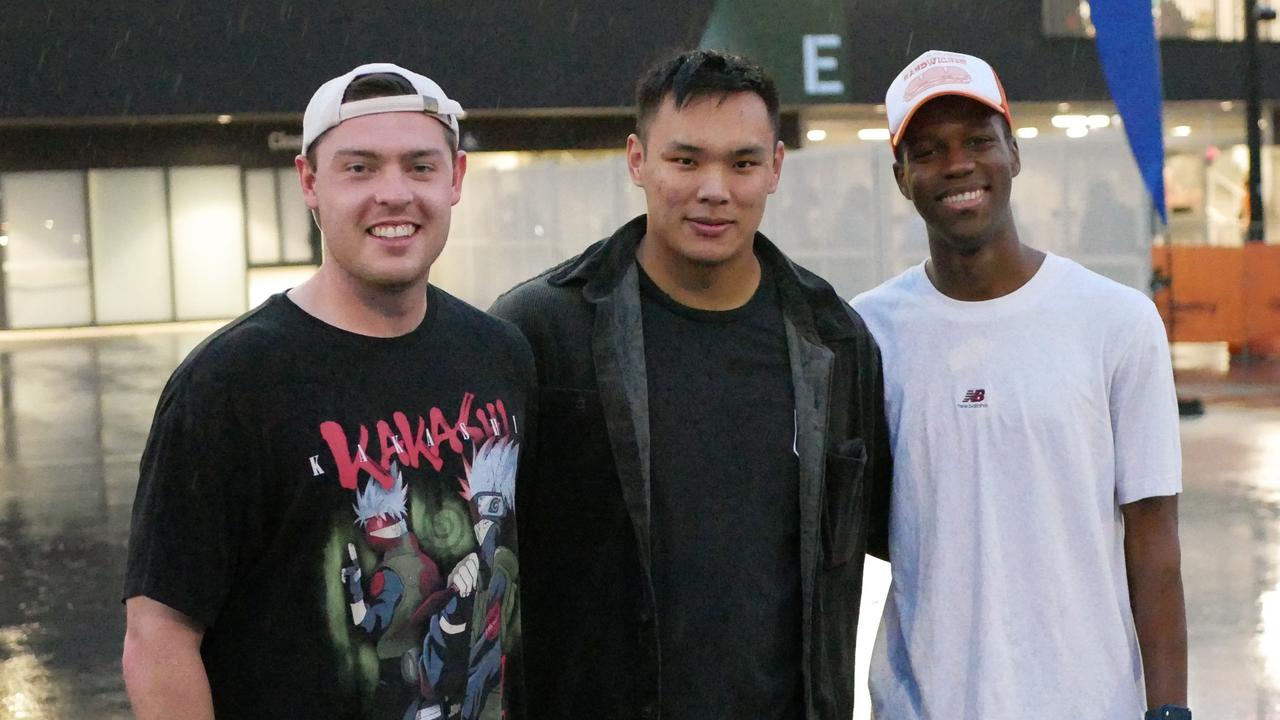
<point x="130" y="58"/>
<point x="72" y="58"/>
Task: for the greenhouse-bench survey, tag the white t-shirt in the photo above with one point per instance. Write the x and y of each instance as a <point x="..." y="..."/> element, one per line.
<point x="1019" y="426"/>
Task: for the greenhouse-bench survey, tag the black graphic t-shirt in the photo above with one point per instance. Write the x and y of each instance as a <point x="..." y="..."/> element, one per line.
<point x="338" y="511"/>
<point x="725" y="508"/>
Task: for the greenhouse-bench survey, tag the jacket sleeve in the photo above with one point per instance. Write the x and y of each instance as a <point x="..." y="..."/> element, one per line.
<point x="879" y="470"/>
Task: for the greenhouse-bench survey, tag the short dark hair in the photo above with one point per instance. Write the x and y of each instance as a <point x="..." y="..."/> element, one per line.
<point x="699" y="73"/>
<point x="374" y="85"/>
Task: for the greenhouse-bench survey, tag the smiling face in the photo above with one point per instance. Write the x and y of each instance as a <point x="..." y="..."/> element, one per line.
<point x="383" y="188"/>
<point x="706" y="170"/>
<point x="956" y="164"/>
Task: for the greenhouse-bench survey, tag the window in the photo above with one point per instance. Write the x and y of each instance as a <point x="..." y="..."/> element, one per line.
<point x="128" y="222"/>
<point x="1174" y="19"/>
<point x="280" y="228"/>
<point x="46" y="254"/>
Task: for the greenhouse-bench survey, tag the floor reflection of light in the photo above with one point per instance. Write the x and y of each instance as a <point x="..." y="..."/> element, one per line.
<point x="1268" y="478"/>
<point x="19" y="706"/>
<point x="23" y="678"/>
<point x="1269" y="636"/>
<point x="1267" y="482"/>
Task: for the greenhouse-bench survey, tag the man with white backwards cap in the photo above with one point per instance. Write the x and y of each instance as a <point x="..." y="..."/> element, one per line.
<point x="1033" y="530"/>
<point x="266" y="576"/>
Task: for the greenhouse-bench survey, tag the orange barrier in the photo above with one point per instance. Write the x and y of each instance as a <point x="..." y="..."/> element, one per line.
<point x="1222" y="294"/>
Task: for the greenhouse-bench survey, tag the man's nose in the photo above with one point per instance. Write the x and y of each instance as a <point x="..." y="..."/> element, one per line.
<point x="713" y="186"/>
<point x="958" y="161"/>
<point x="393" y="188"/>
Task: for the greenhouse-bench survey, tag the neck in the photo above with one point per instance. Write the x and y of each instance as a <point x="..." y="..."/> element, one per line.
<point x="339" y="300"/>
<point x="722" y="286"/>
<point x="992" y="269"/>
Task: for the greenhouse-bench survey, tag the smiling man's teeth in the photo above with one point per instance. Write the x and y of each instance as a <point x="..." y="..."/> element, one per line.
<point x="391" y="231"/>
<point x="963" y="197"/>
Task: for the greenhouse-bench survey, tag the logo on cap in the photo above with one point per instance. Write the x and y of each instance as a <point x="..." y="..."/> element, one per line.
<point x="935" y="76"/>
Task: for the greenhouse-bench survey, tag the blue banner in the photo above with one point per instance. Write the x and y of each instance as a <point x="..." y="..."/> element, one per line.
<point x="1130" y="56"/>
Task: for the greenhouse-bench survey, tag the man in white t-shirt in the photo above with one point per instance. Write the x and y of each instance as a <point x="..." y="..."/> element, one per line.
<point x="1034" y="531"/>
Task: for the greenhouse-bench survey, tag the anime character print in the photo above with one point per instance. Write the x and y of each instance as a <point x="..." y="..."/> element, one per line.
<point x="441" y="642"/>
<point x="404" y="590"/>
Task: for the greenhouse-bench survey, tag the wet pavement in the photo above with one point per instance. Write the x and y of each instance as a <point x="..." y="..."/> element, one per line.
<point x="74" y="416"/>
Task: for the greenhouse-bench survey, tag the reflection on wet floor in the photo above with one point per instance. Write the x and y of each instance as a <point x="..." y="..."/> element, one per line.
<point x="73" y="418"/>
<point x="74" y="415"/>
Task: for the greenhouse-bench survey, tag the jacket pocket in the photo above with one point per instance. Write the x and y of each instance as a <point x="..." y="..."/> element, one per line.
<point x="572" y="437"/>
<point x="575" y="471"/>
<point x="843" y="502"/>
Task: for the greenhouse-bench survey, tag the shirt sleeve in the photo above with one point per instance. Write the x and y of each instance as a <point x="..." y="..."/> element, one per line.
<point x="1144" y="414"/>
<point x="188" y="514"/>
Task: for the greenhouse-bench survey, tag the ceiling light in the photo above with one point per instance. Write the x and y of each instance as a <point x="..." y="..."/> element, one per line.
<point x="873" y="134"/>
<point x="1098" y="121"/>
<point x="1026" y="133"/>
<point x="224" y="119"/>
<point x="1064" y="107"/>
<point x="1069" y="121"/>
<point x="1226" y="105"/>
<point x="816" y="135"/>
<point x="1182" y="131"/>
<point x="1078" y="131"/>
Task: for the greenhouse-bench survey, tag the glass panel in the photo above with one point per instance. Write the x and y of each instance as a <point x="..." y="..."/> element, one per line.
<point x="208" y="241"/>
<point x="47" y="258"/>
<point x="264" y="227"/>
<point x="131" y="272"/>
<point x="1186" y="19"/>
<point x="295" y="221"/>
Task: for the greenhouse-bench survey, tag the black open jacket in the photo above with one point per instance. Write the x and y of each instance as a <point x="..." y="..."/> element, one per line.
<point x="590" y="631"/>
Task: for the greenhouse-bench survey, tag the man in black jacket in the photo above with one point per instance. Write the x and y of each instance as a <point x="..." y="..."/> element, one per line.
<point x="712" y="458"/>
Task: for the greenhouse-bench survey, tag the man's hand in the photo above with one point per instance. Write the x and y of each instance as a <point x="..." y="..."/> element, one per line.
<point x="465" y="574"/>
<point x="163" y="671"/>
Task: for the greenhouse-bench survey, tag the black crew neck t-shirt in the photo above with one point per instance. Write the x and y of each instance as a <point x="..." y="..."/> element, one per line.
<point x="725" y="507"/>
<point x="311" y="497"/>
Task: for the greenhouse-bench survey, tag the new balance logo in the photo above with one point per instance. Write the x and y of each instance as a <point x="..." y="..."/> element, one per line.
<point x="974" y="396"/>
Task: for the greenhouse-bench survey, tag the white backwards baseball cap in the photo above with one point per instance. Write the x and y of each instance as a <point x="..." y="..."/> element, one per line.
<point x="937" y="73"/>
<point x="326" y="108"/>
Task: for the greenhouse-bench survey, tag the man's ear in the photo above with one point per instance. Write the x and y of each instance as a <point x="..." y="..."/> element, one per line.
<point x="459" y="170"/>
<point x="306" y="176"/>
<point x="900" y="176"/>
<point x="635" y="158"/>
<point x="779" y="152"/>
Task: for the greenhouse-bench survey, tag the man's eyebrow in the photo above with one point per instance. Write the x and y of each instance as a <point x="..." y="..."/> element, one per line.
<point x="681" y="147"/>
<point x="355" y="152"/>
<point x="369" y="154"/>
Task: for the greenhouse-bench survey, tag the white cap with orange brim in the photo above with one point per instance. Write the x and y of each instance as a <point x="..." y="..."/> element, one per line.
<point x="937" y="73"/>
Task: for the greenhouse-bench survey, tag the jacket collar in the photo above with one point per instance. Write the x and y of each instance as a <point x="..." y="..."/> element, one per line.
<point x="808" y="300"/>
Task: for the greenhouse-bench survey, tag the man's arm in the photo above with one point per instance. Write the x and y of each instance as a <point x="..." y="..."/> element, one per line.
<point x="1153" y="561"/>
<point x="163" y="671"/>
